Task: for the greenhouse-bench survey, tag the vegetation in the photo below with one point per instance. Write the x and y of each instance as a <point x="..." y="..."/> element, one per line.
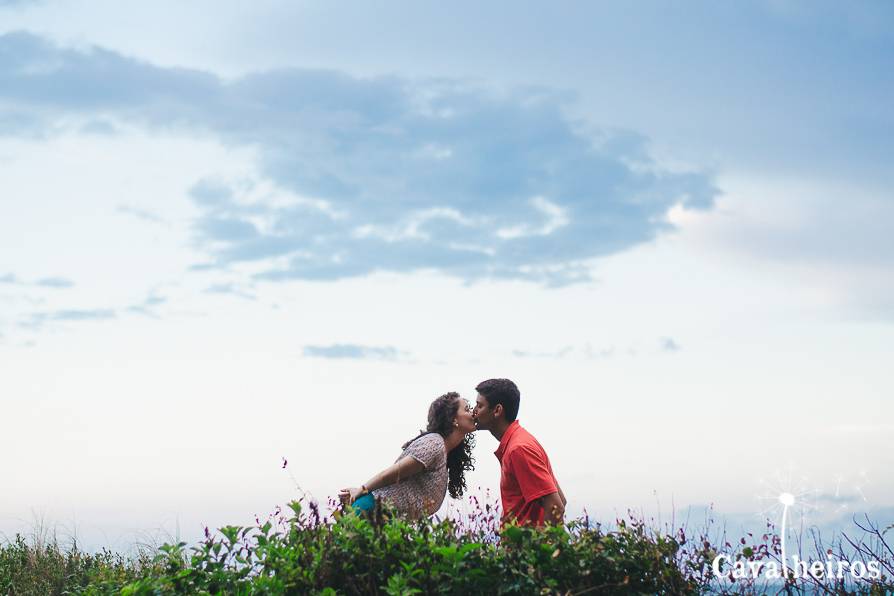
<point x="302" y="551"/>
<point x="40" y="569"/>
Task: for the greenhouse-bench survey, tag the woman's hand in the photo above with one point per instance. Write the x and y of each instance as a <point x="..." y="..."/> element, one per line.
<point x="348" y="495"/>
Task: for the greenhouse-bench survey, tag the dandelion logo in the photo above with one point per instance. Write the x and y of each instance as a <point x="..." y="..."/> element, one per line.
<point x="787" y="500"/>
<point x="792" y="496"/>
<point x="848" y="493"/>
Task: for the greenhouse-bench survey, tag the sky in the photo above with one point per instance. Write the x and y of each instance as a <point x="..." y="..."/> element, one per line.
<point x="235" y="234"/>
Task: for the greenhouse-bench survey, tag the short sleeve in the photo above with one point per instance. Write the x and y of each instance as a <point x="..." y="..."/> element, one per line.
<point x="531" y="470"/>
<point x="428" y="450"/>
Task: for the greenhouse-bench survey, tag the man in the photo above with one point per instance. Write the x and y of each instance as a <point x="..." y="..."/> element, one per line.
<point x="528" y="489"/>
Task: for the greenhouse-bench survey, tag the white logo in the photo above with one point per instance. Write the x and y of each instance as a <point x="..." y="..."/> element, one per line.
<point x="833" y="567"/>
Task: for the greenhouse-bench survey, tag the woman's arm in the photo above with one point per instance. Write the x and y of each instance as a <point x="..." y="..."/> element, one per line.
<point x="404" y="468"/>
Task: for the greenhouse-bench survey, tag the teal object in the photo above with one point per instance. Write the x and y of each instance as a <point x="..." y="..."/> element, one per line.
<point x="365" y="503"/>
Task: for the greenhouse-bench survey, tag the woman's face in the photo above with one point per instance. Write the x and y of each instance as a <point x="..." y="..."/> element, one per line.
<point x="464" y="417"/>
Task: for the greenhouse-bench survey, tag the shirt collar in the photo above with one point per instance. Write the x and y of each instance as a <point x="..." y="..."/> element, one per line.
<point x="504" y="442"/>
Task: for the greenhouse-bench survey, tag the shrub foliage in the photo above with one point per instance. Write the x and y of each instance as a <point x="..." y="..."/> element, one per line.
<point x="386" y="554"/>
<point x="303" y="552"/>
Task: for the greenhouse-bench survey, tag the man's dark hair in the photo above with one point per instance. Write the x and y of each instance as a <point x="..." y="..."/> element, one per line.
<point x="501" y="391"/>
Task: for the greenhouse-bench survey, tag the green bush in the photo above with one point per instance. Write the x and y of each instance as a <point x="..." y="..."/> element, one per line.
<point x="386" y="554"/>
<point x="303" y="552"/>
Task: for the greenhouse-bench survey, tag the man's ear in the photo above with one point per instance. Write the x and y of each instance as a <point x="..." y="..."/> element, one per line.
<point x="498" y="410"/>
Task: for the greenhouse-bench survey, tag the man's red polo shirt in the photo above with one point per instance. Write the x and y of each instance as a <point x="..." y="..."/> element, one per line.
<point x="526" y="475"/>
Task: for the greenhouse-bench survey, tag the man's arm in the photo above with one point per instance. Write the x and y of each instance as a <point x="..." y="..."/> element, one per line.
<point x="553" y="507"/>
<point x="537" y="483"/>
<point x="562" y="495"/>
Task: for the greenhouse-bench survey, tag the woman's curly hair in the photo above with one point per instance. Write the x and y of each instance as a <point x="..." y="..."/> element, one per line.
<point x="441" y="414"/>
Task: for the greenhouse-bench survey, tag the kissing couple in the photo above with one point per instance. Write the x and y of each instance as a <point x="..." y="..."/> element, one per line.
<point x="436" y="461"/>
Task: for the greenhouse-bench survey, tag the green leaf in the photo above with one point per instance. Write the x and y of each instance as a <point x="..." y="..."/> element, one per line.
<point x="513" y="533"/>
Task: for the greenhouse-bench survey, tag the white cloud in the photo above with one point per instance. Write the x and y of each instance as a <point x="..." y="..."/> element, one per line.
<point x="556" y="218"/>
<point x="828" y="238"/>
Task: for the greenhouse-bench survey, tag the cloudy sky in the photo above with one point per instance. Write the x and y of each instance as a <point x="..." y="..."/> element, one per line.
<point x="232" y="234"/>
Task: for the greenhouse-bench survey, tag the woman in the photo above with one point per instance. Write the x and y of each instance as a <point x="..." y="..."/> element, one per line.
<point x="431" y="464"/>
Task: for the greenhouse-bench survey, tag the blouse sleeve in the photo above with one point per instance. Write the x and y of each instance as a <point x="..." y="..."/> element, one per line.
<point x="428" y="450"/>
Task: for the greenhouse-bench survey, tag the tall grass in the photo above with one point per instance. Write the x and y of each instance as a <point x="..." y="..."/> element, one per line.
<point x="41" y="567"/>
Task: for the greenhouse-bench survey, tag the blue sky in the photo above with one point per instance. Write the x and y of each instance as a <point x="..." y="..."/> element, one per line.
<point x="318" y="218"/>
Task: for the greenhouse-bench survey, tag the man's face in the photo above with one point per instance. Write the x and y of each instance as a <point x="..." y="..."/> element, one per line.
<point x="483" y="413"/>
